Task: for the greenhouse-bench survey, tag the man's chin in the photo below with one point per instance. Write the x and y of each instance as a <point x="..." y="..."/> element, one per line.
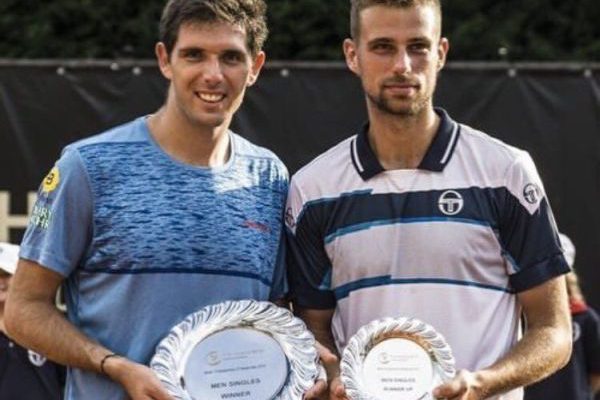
<point x="211" y="122"/>
<point x="401" y="111"/>
<point x="401" y="107"/>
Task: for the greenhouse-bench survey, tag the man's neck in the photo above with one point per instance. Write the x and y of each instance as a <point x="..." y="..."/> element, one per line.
<point x="401" y="142"/>
<point x="2" y="318"/>
<point x="187" y="142"/>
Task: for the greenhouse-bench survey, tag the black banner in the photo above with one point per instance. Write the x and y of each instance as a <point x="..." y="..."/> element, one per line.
<point x="299" y="110"/>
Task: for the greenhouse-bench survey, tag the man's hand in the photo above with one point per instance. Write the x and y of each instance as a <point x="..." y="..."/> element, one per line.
<point x="337" y="390"/>
<point x="139" y="381"/>
<point x="319" y="391"/>
<point x="464" y="386"/>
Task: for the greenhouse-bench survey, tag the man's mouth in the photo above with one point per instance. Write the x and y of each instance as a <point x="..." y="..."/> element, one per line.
<point x="400" y="83"/>
<point x="401" y="89"/>
<point x="210" y="97"/>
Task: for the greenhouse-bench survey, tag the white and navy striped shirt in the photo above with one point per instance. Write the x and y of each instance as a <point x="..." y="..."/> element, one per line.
<point x="450" y="243"/>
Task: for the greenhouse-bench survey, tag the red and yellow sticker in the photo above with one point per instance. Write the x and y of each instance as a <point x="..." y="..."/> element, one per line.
<point x="51" y="180"/>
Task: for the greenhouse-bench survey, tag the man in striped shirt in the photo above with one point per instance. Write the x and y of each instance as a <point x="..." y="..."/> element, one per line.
<point x="417" y="215"/>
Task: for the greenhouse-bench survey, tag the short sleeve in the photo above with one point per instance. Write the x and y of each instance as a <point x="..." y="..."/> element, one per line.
<point x="60" y="225"/>
<point x="309" y="267"/>
<point x="527" y="228"/>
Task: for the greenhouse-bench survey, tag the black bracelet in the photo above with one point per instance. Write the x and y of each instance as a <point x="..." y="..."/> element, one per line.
<point x="106" y="357"/>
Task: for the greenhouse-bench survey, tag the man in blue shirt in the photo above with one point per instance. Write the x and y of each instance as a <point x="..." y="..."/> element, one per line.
<point x="154" y="219"/>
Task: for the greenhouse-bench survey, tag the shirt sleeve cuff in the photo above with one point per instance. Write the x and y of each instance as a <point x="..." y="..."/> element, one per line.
<point x="539" y="273"/>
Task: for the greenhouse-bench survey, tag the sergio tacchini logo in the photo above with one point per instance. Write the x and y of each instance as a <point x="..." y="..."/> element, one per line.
<point x="451" y="202"/>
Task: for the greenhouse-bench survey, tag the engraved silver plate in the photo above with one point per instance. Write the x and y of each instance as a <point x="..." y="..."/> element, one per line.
<point x="396" y="359"/>
<point x="240" y="350"/>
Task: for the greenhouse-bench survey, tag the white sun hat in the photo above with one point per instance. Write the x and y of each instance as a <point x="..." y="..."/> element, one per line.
<point x="9" y="255"/>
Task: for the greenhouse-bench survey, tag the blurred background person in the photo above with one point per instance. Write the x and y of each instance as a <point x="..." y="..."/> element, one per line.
<point x="580" y="378"/>
<point x="24" y="374"/>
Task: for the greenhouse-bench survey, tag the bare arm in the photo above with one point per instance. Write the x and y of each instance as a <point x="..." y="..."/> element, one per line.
<point x="544" y="348"/>
<point x="319" y="323"/>
<point x="32" y="320"/>
<point x="595" y="383"/>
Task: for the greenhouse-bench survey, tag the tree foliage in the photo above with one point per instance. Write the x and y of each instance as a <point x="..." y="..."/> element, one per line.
<point x="546" y="30"/>
<point x="302" y="29"/>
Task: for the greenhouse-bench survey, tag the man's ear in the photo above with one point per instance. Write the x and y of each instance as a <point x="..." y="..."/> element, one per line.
<point x="164" y="63"/>
<point x="443" y="48"/>
<point x="349" y="47"/>
<point x="257" y="65"/>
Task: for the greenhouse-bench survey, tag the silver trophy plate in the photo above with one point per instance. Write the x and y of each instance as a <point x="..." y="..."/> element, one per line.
<point x="396" y="359"/>
<point x="238" y="350"/>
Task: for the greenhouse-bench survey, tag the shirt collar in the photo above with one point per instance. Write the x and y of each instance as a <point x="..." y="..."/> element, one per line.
<point x="437" y="157"/>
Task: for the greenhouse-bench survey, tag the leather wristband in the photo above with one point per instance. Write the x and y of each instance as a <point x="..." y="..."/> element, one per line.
<point x="106" y="357"/>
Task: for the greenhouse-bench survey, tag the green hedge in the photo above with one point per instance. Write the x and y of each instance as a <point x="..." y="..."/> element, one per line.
<point x="540" y="30"/>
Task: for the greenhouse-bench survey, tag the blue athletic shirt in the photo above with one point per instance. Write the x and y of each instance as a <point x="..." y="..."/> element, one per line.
<point x="144" y="240"/>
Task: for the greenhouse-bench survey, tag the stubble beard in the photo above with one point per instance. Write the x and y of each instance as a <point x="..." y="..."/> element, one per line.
<point x="386" y="105"/>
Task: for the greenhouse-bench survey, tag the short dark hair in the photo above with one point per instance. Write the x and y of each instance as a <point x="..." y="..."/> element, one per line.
<point x="358" y="5"/>
<point x="249" y="14"/>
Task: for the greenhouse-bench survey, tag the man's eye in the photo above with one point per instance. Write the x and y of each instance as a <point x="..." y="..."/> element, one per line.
<point x="382" y="47"/>
<point x="233" y="57"/>
<point x="419" y="47"/>
<point x="192" y="54"/>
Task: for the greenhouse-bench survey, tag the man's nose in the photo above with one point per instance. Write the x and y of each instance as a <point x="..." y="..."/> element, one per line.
<point x="402" y="62"/>
<point x="213" y="71"/>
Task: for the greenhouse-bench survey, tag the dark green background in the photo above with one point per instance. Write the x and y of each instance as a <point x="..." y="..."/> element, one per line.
<point x="534" y="30"/>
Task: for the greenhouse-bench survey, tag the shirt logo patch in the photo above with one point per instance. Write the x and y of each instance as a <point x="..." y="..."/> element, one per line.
<point x="289" y="218"/>
<point x="576" y="331"/>
<point x="40" y="216"/>
<point x="51" y="181"/>
<point x="451" y="202"/>
<point x="257" y="226"/>
<point x="532" y="193"/>
<point x="36" y="359"/>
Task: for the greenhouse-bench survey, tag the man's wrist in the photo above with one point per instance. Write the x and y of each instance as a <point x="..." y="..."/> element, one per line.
<point x="113" y="365"/>
<point x="481" y="383"/>
<point x="104" y="360"/>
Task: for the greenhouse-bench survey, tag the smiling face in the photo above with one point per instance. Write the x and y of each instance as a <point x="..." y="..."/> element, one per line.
<point x="397" y="56"/>
<point x="209" y="68"/>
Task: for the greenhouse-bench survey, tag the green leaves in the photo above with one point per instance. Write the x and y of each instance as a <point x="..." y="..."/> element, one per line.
<point x="531" y="30"/>
<point x="307" y="29"/>
<point x="535" y="30"/>
<point x="78" y="28"/>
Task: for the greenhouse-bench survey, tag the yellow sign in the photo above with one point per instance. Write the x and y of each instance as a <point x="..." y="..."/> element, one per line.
<point x="51" y="180"/>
